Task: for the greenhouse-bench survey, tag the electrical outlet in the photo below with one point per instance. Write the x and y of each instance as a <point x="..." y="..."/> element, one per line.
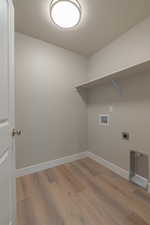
<point x="125" y="136"/>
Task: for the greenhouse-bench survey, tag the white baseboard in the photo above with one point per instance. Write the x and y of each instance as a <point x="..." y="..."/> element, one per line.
<point x="12" y="223"/>
<point x="46" y="165"/>
<point x="116" y="169"/>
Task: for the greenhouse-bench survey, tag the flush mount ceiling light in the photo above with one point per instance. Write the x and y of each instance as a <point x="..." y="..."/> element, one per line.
<point x="65" y="13"/>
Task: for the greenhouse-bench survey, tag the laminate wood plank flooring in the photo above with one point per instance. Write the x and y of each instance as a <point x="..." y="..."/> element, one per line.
<point x="80" y="193"/>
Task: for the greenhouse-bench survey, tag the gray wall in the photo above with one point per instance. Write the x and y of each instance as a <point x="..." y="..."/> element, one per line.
<point x="131" y="48"/>
<point x="131" y="110"/>
<point x="49" y="110"/>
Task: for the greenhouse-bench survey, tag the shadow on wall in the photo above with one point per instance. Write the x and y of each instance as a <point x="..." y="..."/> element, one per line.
<point x="134" y="89"/>
<point x="83" y="94"/>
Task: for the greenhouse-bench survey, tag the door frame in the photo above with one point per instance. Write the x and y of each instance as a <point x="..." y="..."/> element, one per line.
<point x="11" y="44"/>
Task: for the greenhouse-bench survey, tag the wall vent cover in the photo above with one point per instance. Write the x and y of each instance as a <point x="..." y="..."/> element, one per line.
<point x="139" y="169"/>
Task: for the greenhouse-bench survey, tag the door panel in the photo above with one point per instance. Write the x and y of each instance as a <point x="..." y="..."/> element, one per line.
<point x="4" y="136"/>
<point x="4" y="187"/>
<point x="4" y="69"/>
<point x="4" y="60"/>
<point x="6" y="115"/>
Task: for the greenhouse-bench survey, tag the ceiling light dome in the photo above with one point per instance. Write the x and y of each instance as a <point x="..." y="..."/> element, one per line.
<point x="65" y="13"/>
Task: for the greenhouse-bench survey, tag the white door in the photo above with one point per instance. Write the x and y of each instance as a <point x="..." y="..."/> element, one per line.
<point x="7" y="151"/>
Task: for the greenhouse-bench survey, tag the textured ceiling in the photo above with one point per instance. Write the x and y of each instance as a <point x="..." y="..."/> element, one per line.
<point x="102" y="21"/>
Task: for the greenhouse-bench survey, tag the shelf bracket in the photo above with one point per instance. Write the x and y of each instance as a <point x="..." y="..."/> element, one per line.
<point x="116" y="86"/>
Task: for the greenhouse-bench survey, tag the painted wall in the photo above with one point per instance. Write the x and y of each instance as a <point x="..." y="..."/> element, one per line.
<point x="131" y="48"/>
<point x="130" y="113"/>
<point x="131" y="110"/>
<point x="53" y="114"/>
<point x="49" y="110"/>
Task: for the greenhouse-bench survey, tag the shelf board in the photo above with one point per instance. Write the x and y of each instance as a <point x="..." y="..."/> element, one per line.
<point x="136" y="69"/>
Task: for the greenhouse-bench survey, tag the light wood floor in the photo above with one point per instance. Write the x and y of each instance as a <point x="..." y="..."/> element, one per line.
<point x="80" y="193"/>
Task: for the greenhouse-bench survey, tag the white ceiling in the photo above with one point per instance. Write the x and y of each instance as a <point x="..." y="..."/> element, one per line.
<point x="102" y="21"/>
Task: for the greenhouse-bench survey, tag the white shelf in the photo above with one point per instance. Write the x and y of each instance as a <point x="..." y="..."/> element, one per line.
<point x="139" y="68"/>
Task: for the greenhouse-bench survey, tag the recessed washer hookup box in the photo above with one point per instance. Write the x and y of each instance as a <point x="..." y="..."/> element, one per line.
<point x="139" y="169"/>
